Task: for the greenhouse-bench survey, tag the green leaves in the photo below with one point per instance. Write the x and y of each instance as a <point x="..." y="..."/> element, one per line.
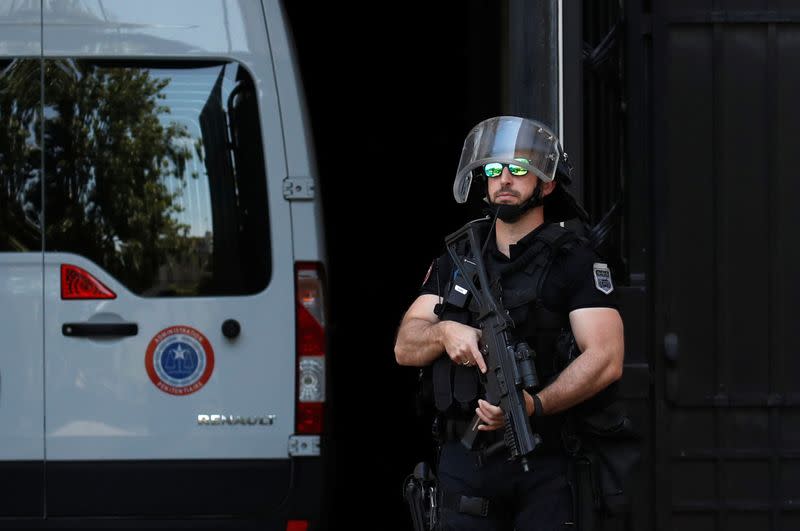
<point x="111" y="159"/>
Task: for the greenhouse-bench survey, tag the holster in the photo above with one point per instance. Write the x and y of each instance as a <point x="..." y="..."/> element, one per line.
<point x="421" y="492"/>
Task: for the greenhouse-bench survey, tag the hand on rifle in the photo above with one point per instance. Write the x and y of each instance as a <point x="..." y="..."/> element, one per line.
<point x="493" y="416"/>
<point x="461" y="344"/>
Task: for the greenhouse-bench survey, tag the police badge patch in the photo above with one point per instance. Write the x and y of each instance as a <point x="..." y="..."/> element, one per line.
<point x="602" y="278"/>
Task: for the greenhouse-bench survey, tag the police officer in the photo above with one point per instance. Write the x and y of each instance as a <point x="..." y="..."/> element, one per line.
<point x="560" y="296"/>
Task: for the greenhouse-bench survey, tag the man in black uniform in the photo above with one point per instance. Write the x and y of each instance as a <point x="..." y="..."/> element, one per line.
<point x="560" y="296"/>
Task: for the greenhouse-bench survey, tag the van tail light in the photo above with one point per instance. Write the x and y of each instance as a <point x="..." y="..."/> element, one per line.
<point x="79" y="284"/>
<point x="311" y="345"/>
<point x="297" y="525"/>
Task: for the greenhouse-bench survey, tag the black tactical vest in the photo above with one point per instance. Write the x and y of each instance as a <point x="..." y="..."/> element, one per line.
<point x="454" y="389"/>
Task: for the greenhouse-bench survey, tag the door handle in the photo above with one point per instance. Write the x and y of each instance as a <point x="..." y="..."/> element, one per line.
<point x="671" y="374"/>
<point x="671" y="348"/>
<point x="99" y="329"/>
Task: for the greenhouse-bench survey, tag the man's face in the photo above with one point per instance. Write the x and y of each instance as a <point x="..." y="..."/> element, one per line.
<point x="507" y="189"/>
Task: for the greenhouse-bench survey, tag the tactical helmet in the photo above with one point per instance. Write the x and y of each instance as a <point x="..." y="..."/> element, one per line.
<point x="509" y="140"/>
<point x="524" y="143"/>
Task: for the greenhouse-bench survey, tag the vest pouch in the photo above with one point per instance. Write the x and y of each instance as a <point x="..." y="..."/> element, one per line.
<point x="465" y="387"/>
<point x="442" y="384"/>
<point x="455" y="388"/>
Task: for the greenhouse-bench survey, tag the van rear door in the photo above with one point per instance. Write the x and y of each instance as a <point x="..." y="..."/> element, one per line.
<point x="168" y="271"/>
<point x="21" y="308"/>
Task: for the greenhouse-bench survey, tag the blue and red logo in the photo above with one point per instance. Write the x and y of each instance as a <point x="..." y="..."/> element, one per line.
<point x="179" y="360"/>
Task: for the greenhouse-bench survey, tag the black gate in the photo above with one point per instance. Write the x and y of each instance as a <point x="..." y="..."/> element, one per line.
<point x="726" y="122"/>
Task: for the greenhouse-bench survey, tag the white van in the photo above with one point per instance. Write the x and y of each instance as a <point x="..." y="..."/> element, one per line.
<point x="162" y="333"/>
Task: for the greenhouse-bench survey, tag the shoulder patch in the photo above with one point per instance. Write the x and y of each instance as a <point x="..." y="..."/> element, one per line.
<point x="602" y="278"/>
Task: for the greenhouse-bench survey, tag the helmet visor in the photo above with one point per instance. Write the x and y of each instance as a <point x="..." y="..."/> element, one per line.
<point x="507" y="140"/>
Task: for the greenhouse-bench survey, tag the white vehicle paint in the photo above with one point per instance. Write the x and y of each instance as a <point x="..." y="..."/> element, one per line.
<point x="68" y="401"/>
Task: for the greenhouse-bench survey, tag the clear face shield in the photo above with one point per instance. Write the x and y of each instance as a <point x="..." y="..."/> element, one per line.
<point x="518" y="142"/>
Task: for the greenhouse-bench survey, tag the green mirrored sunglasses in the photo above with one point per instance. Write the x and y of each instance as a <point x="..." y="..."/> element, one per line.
<point x="494" y="169"/>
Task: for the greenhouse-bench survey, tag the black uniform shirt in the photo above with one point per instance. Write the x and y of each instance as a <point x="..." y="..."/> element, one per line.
<point x="570" y="283"/>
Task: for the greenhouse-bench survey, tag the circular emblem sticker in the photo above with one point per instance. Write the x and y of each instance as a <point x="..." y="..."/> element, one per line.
<point x="179" y="360"/>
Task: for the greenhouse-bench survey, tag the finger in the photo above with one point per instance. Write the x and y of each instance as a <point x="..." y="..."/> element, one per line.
<point x="476" y="353"/>
<point x="482" y="416"/>
<point x="498" y="419"/>
<point x="485" y="407"/>
<point x="490" y="410"/>
<point x="489" y="425"/>
<point x="486" y="419"/>
<point x="489" y="420"/>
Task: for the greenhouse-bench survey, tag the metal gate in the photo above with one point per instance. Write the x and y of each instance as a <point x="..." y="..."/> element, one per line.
<point x="726" y="121"/>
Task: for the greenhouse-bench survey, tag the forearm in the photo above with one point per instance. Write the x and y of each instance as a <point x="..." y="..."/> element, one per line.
<point x="419" y="342"/>
<point x="587" y="375"/>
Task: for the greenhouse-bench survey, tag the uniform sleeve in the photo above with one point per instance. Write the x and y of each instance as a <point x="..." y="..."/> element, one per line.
<point x="588" y="281"/>
<point x="437" y="277"/>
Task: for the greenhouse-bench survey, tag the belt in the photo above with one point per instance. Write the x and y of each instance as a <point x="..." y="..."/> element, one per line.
<point x="489" y="443"/>
<point x="473" y="505"/>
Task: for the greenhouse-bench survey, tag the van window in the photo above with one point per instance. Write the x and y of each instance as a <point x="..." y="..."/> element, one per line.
<point x="20" y="156"/>
<point x="155" y="171"/>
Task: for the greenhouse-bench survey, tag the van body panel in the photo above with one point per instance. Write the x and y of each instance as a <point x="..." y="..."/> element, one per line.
<point x="295" y="122"/>
<point x="21" y="27"/>
<point x="21" y="302"/>
<point x="101" y="402"/>
<point x="89" y="406"/>
<point x="307" y="216"/>
<point x="153" y="28"/>
<point x="21" y="388"/>
<point x="304" y="221"/>
<point x="229" y="488"/>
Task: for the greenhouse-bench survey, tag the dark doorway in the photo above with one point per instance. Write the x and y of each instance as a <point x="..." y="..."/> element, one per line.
<point x="391" y="96"/>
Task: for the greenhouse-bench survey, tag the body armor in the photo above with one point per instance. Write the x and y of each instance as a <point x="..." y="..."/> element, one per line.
<point x="454" y="389"/>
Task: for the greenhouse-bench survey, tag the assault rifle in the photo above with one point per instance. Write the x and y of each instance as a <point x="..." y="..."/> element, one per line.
<point x="510" y="368"/>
